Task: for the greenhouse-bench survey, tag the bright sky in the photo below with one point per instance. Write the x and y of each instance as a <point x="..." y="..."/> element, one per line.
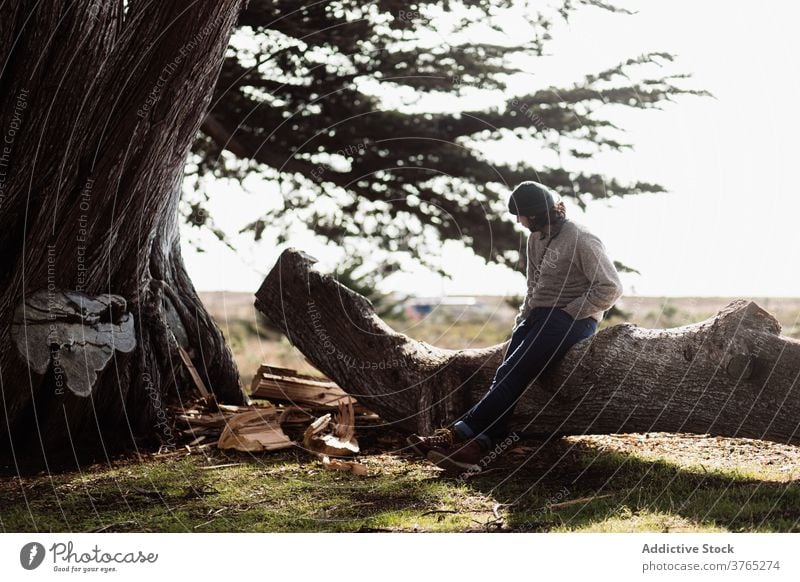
<point x="726" y="227"/>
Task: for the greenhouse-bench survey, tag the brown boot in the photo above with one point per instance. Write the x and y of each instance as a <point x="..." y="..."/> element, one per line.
<point x="441" y="437"/>
<point x="463" y="457"/>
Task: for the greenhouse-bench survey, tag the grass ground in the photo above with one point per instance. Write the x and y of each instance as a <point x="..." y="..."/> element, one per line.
<point x="631" y="483"/>
<point x="572" y="484"/>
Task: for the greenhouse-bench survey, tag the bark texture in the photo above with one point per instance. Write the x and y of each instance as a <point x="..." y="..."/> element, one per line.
<point x="99" y="105"/>
<point x="730" y="375"/>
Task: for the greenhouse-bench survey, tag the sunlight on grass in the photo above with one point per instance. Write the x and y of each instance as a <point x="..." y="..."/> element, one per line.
<point x="290" y="491"/>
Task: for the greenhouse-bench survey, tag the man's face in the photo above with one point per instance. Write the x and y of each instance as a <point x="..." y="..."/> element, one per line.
<point x="530" y="222"/>
<point x="526" y="222"/>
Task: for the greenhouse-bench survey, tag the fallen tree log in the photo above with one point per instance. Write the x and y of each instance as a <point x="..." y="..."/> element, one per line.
<point x="730" y="375"/>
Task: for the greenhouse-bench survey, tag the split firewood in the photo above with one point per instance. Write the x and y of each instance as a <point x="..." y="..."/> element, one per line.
<point x="284" y="385"/>
<point x="193" y="373"/>
<point x="254" y="431"/>
<point x="341" y="441"/>
<point x="234" y="408"/>
<point x="200" y="418"/>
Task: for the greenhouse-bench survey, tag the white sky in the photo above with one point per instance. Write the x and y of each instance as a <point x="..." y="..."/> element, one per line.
<point x="733" y="158"/>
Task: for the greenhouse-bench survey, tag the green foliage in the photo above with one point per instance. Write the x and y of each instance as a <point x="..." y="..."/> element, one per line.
<point x="329" y="100"/>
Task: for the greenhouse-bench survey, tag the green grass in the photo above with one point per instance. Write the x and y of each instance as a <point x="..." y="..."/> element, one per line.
<point x="286" y="491"/>
<point x="646" y="496"/>
<point x="289" y="491"/>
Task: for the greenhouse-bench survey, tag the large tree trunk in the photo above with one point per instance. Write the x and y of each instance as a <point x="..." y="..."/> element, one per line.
<point x="730" y="375"/>
<point x="100" y="103"/>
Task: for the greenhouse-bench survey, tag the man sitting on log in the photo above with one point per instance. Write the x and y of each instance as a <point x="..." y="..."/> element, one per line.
<point x="571" y="283"/>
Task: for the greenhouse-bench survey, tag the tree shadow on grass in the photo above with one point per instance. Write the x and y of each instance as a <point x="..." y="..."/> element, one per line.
<point x="286" y="491"/>
<point x="555" y="485"/>
<point x="566" y="485"/>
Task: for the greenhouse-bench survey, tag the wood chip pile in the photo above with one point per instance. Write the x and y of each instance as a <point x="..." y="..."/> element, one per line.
<point x="314" y="410"/>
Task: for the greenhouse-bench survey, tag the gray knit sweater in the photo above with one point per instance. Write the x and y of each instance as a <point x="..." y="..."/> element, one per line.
<point x="572" y="272"/>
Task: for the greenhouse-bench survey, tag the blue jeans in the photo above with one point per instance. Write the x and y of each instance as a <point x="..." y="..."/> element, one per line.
<point x="538" y="342"/>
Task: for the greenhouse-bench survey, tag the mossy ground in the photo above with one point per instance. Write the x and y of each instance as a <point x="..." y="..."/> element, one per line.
<point x="571" y="484"/>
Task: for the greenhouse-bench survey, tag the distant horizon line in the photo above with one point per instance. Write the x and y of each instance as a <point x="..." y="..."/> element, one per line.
<point x="643" y="296"/>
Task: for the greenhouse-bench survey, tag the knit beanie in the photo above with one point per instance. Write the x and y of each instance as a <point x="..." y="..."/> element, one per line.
<point x="531" y="198"/>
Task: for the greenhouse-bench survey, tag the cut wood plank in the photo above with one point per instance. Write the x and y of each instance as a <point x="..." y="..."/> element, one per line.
<point x="254" y="431"/>
<point x="281" y="384"/>
<point x="287" y="373"/>
<point x="198" y="381"/>
<point x="235" y="408"/>
<point x="212" y="420"/>
<point x="196" y="419"/>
